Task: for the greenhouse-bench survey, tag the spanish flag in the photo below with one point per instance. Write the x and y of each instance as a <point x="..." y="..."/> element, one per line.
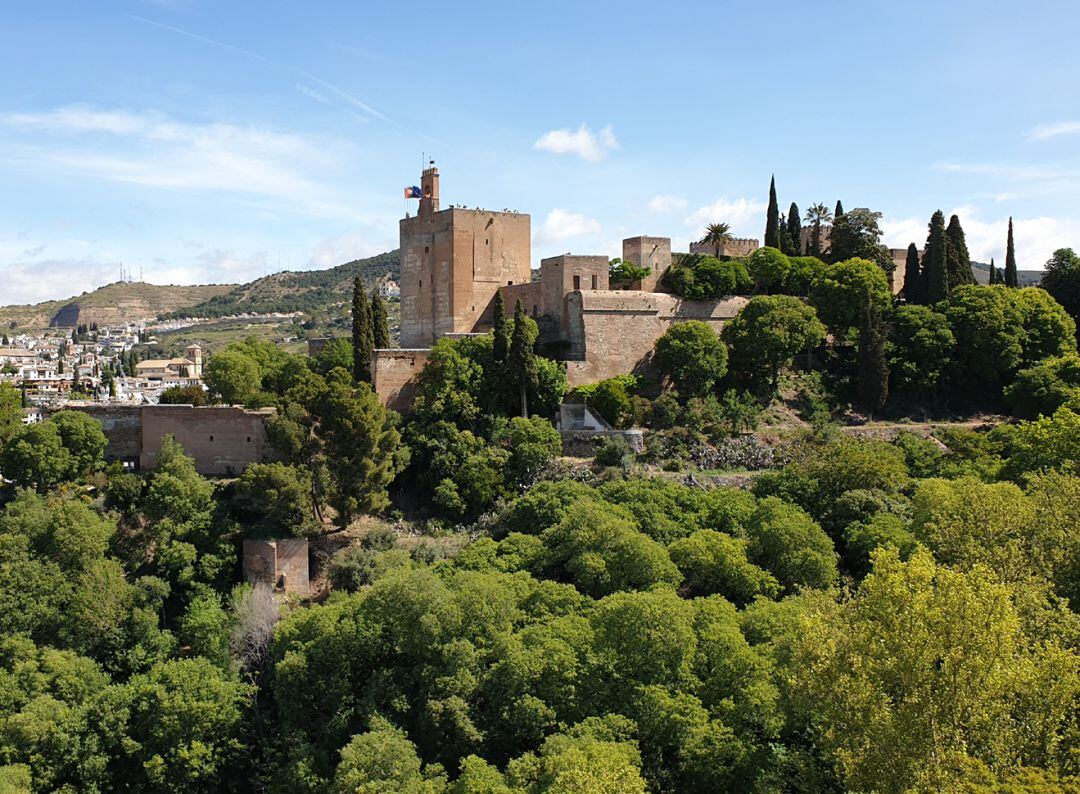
<point x="412" y="192"/>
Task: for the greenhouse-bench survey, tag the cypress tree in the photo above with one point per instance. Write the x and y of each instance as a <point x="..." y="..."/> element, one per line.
<point x="772" y="222"/>
<point x="522" y="359"/>
<point x="913" y="292"/>
<point x="937" y="277"/>
<point x="502" y="341"/>
<point x="959" y="260"/>
<point x="794" y="230"/>
<point x="363" y="338"/>
<point x="993" y="273"/>
<point x="839" y="211"/>
<point x="873" y="367"/>
<point x="785" y="238"/>
<point x="380" y="325"/>
<point x="1010" y="260"/>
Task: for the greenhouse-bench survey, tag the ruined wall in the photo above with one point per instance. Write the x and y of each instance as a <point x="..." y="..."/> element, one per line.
<point x="651" y="252"/>
<point x="224" y="440"/>
<point x="393" y="374"/>
<point x="452" y="262"/>
<point x="613" y="332"/>
<point x="122" y="426"/>
<point x="282" y="564"/>
<point x="738" y="246"/>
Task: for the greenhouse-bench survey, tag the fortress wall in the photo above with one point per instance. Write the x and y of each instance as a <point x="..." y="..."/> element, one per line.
<point x="738" y="246"/>
<point x="122" y="425"/>
<point x="394" y="375"/>
<point x="224" y="440"/>
<point x="613" y="332"/>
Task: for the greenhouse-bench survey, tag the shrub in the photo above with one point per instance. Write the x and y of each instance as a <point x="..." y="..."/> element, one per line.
<point x="1042" y="389"/>
<point x="692" y="357"/>
<point x="614" y="450"/>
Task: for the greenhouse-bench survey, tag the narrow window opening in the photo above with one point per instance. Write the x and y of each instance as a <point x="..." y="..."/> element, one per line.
<point x="594" y="282"/>
<point x="577" y="282"/>
<point x="211" y="438"/>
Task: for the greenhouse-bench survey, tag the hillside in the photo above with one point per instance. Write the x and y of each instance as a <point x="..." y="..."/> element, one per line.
<point x="114" y="303"/>
<point x="290" y="291"/>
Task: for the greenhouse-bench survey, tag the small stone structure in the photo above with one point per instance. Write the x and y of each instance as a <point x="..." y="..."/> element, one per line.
<point x="281" y="563"/>
<point x="393" y="373"/>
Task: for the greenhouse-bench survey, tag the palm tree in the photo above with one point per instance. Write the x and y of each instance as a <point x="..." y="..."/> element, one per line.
<point x="819" y="215"/>
<point x="716" y="235"/>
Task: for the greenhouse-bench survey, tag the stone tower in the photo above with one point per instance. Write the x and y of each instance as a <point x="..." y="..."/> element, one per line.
<point x="452" y="263"/>
<point x="651" y="252"/>
<point x="193" y="353"/>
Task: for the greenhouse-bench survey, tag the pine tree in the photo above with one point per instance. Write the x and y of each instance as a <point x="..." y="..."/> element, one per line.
<point x="380" y="325"/>
<point x="959" y="260"/>
<point x="794" y="230"/>
<point x="522" y="359"/>
<point x="363" y="338"/>
<point x="772" y="221"/>
<point x="839" y="211"/>
<point x="937" y="277"/>
<point x="501" y="344"/>
<point x="1010" y="260"/>
<point x="873" y="367"/>
<point x="913" y="292"/>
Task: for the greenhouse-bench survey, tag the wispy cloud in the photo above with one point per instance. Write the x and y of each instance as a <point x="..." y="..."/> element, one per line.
<point x="157" y="151"/>
<point x="583" y="142"/>
<point x="737" y="212"/>
<point x="562" y="225"/>
<point x="1041" y="132"/>
<point x="203" y="39"/>
<point x="667" y="203"/>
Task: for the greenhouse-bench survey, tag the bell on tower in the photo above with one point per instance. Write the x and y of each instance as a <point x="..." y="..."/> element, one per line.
<point x="429" y="190"/>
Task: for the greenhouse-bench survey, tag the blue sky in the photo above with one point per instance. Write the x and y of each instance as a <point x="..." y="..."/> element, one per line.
<point x="200" y="141"/>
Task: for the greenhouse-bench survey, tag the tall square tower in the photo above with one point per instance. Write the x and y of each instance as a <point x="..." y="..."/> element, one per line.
<point x="651" y="252"/>
<point x="452" y="263"/>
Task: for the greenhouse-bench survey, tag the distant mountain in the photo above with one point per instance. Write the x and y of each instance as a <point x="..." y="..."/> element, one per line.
<point x="1027" y="278"/>
<point x="109" y="305"/>
<point x="309" y="291"/>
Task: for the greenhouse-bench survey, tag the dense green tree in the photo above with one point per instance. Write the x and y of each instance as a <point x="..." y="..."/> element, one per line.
<point x="768" y="333"/>
<point x="920" y="349"/>
<point x="501" y="346"/>
<point x="839" y="293"/>
<point x="857" y="235"/>
<point x="713" y="562"/>
<point x="1011" y="279"/>
<point x="83" y="437"/>
<point x="10" y="412"/>
<point x="36" y="457"/>
<point x="790" y="545"/>
<point x="769" y="268"/>
<point x="873" y="363"/>
<point x="380" y="322"/>
<point x="794" y="230"/>
<point x="772" y="219"/>
<point x="383" y="759"/>
<point x="233" y="377"/>
<point x="1050" y="442"/>
<point x="804" y="271"/>
<point x="1062" y="280"/>
<point x="913" y="277"/>
<point x="692" y="356"/>
<point x="901" y="693"/>
<point x="988" y="327"/>
<point x="1047" y="329"/>
<point x="1045" y="387"/>
<point x="958" y="260"/>
<point x="363" y="333"/>
<point x="275" y="499"/>
<point x="335" y="352"/>
<point x="521" y="359"/>
<point x="183" y="395"/>
<point x="935" y="261"/>
<point x="362" y="448"/>
<point x="611" y="400"/>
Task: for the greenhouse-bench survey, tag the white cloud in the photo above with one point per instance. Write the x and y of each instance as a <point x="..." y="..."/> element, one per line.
<point x="345" y="248"/>
<point x="1036" y="238"/>
<point x="583" y="142"/>
<point x="150" y="149"/>
<point x="740" y="213"/>
<point x="1043" y="131"/>
<point x="667" y="203"/>
<point x="561" y="224"/>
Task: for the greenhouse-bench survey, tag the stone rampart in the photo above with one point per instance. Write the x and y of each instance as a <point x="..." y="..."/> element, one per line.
<point x="224" y="440"/>
<point x="613" y="332"/>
